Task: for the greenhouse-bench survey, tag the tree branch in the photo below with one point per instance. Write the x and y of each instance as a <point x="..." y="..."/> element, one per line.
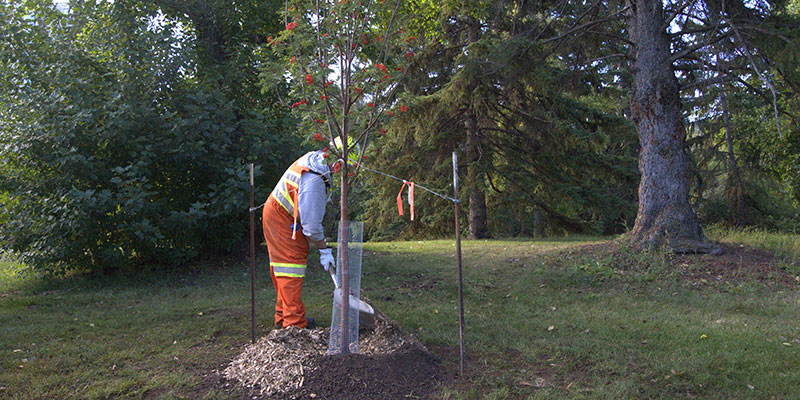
<point x="707" y="82"/>
<point x="763" y="78"/>
<point x="674" y="14"/>
<point x="587" y="25"/>
<point x="698" y="46"/>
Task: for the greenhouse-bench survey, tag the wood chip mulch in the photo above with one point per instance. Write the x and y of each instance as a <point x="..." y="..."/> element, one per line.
<point x="292" y="363"/>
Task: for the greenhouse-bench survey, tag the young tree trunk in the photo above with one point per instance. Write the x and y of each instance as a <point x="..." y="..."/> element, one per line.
<point x="478" y="224"/>
<point x="664" y="216"/>
<point x="734" y="187"/>
<point x="538" y="223"/>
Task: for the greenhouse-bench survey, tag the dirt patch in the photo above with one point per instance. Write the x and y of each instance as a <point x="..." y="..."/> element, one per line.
<point x="293" y="364"/>
<point x="736" y="263"/>
<point x="417" y="285"/>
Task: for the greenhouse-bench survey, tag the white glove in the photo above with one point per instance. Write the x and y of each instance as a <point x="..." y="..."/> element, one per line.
<point x="326" y="258"/>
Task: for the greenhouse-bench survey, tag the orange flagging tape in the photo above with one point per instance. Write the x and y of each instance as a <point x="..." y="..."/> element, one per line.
<point x="410" y="198"/>
<point x="400" y="199"/>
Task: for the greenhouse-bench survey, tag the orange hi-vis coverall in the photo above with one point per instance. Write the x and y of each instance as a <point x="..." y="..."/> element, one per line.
<point x="297" y="194"/>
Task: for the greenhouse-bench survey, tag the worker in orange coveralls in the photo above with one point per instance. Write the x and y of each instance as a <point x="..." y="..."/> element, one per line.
<point x="292" y="218"/>
<point x="297" y="204"/>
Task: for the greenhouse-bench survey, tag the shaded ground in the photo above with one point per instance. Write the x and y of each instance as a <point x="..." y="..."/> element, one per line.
<point x="545" y="319"/>
<point x="736" y="263"/>
<point x="409" y="370"/>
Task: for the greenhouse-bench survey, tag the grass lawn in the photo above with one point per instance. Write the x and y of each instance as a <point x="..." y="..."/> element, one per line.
<point x="545" y="319"/>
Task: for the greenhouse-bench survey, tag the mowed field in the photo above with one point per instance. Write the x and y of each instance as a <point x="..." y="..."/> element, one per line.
<point x="575" y="317"/>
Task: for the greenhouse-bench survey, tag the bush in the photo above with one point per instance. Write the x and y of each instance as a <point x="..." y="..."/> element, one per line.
<point x="110" y="157"/>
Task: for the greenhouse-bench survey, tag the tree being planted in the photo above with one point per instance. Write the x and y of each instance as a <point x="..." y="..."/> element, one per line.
<point x="342" y="61"/>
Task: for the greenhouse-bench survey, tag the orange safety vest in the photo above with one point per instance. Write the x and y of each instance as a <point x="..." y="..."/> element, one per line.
<point x="286" y="192"/>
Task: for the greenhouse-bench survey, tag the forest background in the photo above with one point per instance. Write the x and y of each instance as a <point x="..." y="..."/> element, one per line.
<point x="126" y="127"/>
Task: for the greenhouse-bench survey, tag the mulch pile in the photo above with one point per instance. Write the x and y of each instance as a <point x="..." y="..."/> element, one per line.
<point x="293" y="363"/>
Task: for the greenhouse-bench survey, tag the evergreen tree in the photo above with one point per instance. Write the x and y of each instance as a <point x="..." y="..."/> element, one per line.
<point x="679" y="36"/>
<point x="534" y="136"/>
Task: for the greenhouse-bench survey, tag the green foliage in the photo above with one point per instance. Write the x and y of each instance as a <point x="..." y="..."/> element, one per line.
<point x="759" y="74"/>
<point x="342" y="62"/>
<point x="549" y="149"/>
<point x="113" y="151"/>
<point x="125" y="127"/>
<point x="765" y="162"/>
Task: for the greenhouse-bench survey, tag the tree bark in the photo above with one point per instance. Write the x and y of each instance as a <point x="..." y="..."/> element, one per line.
<point x="734" y="187"/>
<point x="665" y="216"/>
<point x="478" y="224"/>
<point x="539" y="227"/>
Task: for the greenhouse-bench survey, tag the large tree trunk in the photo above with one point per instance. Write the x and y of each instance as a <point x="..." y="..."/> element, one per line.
<point x="478" y="225"/>
<point x="665" y="216"/>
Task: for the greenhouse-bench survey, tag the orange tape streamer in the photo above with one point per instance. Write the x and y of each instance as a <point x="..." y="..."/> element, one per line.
<point x="410" y="198"/>
<point x="400" y="199"/>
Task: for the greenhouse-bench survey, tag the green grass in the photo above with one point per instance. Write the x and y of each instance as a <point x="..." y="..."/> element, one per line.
<point x="785" y="245"/>
<point x="613" y="335"/>
<point x="10" y="272"/>
<point x="592" y="326"/>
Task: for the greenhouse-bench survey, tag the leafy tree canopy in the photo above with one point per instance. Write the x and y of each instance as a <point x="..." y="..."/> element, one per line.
<point x="115" y="148"/>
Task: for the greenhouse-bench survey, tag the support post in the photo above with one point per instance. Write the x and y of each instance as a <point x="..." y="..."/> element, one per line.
<point x="458" y="258"/>
<point x="252" y="260"/>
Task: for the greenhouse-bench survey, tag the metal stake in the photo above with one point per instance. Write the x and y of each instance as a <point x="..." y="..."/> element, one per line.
<point x="458" y="251"/>
<point x="252" y="260"/>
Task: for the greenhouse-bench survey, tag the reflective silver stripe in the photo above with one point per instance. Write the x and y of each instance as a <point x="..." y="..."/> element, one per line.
<point x="292" y="177"/>
<point x="292" y="271"/>
<point x="289" y="179"/>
